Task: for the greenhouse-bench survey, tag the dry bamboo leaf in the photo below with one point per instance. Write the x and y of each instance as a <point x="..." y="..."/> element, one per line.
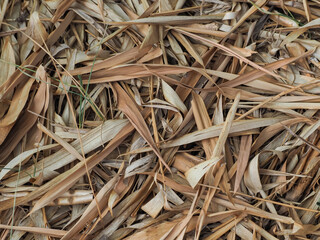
<point x="203" y="121"/>
<point x="118" y="59"/>
<point x="265" y="70"/>
<point x="260" y="230"/>
<point x="214" y="131"/>
<point x="162" y="20"/>
<point x="18" y="77"/>
<point x="44" y="231"/>
<point x="152" y="36"/>
<point x="112" y="200"/>
<point x="281" y="20"/>
<point x="153" y="54"/>
<point x="65" y="83"/>
<point x="272" y="130"/>
<point x="195" y="173"/>
<point x="307" y="132"/>
<point x="24" y="124"/>
<point x="93" y="139"/>
<point x="177" y="50"/>
<point x="253" y="183"/>
<point x="251" y="176"/>
<point x="254" y="211"/>
<point x="154" y="206"/>
<point x="225" y="228"/>
<point x="93" y="95"/>
<point x="63" y="6"/>
<point x="173" y="184"/>
<point x="155" y="231"/>
<point x="172" y="97"/>
<point x="134" y="71"/>
<point x="244" y="52"/>
<point x="19" y="99"/>
<point x="179" y="229"/>
<point x="226" y="128"/>
<point x="3" y="10"/>
<point x="36" y="30"/>
<point x="245" y="78"/>
<point x="142" y="29"/>
<point x="18" y="159"/>
<point x="73" y="174"/>
<point x="296" y="105"/>
<point x="63" y="143"/>
<point x="295" y="34"/>
<point x="92" y="210"/>
<point x="252" y="10"/>
<point x="7" y="60"/>
<point x="211" y="31"/>
<point x="307" y="10"/>
<point x="245" y="148"/>
<point x="192" y="78"/>
<point x="139" y="166"/>
<point x="71" y="198"/>
<point x="89" y="20"/>
<point x="126" y="105"/>
<point x="188" y="46"/>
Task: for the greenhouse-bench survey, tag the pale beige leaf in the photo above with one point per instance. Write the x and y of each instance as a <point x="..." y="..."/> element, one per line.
<point x="172" y="97"/>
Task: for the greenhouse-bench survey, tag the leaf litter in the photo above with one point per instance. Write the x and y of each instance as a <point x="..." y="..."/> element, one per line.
<point x="165" y="119"/>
